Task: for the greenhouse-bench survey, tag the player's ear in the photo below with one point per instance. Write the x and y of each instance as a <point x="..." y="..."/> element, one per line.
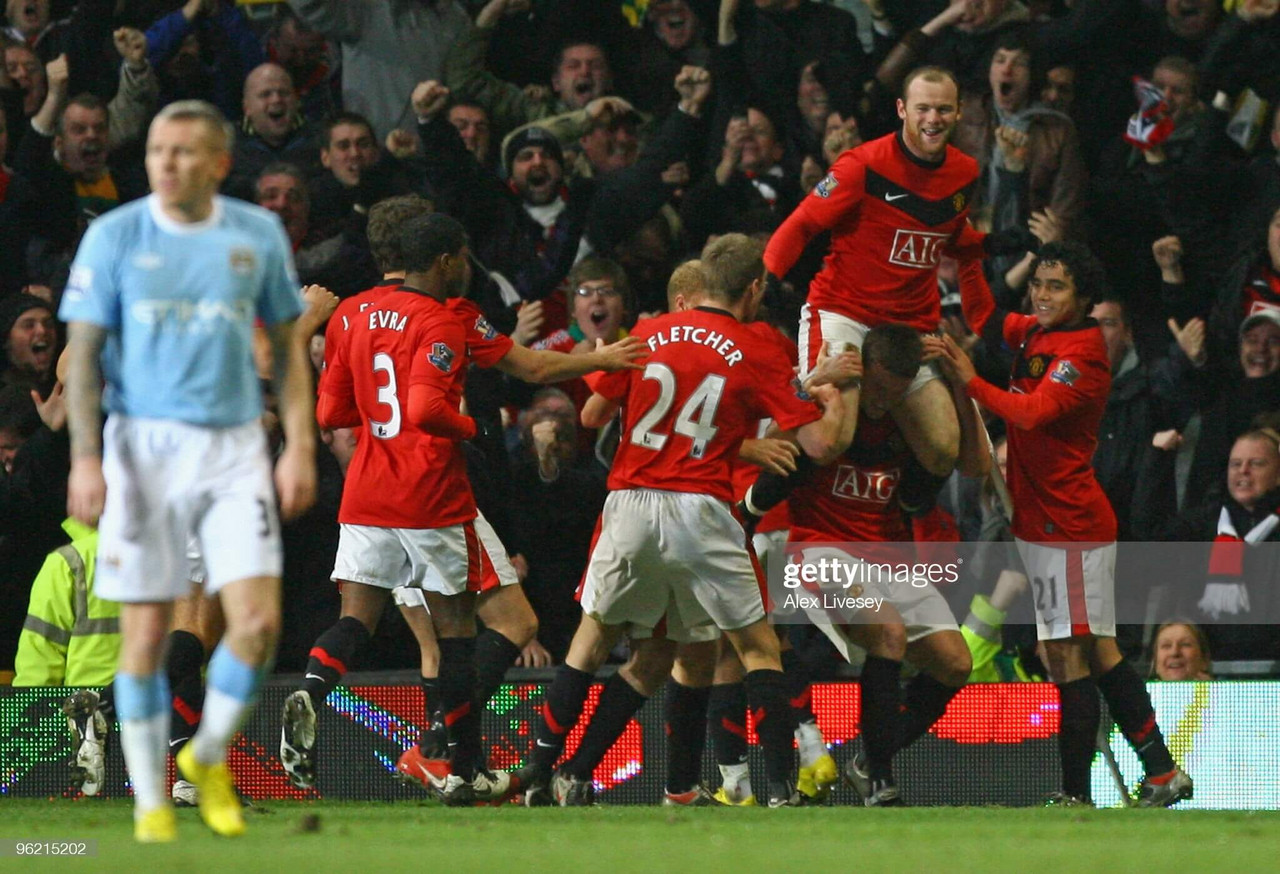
<point x="902" y="109"/>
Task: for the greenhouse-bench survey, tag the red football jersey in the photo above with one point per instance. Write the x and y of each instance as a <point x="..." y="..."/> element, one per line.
<point x="745" y="474"/>
<point x="706" y="384"/>
<point x="1058" y="393"/>
<point x="345" y="312"/>
<point x="485" y="346"/>
<point x="401" y="476"/>
<point x="855" y="499"/>
<point x="891" y="216"/>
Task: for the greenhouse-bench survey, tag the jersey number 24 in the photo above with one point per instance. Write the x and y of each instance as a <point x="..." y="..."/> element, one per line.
<point x="696" y="416"/>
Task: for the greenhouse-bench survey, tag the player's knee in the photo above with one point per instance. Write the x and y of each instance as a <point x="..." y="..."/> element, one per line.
<point x="258" y="628"/>
<point x="955" y="671"/>
<point x="940" y="457"/>
<point x="890" y="642"/>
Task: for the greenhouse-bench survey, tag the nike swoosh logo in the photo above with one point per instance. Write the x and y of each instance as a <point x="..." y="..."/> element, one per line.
<point x="546" y="746"/>
<point x="315" y="677"/>
<point x="176" y="741"/>
<point x="892" y="197"/>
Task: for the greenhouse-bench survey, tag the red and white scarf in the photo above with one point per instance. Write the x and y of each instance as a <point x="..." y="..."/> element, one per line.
<point x="1225" y="592"/>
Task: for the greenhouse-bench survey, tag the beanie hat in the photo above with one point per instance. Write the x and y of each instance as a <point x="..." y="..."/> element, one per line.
<point x="532" y="136"/>
<point x="12" y="308"/>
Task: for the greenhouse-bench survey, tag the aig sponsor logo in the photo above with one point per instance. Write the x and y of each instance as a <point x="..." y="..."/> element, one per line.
<point x="876" y="486"/>
<point x="918" y="249"/>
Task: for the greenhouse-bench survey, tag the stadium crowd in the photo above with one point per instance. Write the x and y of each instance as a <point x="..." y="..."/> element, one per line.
<point x="590" y="147"/>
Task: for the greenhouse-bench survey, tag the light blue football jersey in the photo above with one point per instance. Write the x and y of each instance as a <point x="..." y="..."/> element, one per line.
<point x="179" y="303"/>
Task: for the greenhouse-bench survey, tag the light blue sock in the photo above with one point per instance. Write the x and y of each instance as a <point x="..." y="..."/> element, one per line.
<point x="142" y="706"/>
<point x="232" y="687"/>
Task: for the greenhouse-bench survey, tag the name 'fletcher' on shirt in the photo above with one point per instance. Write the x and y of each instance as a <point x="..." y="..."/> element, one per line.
<point x="700" y="336"/>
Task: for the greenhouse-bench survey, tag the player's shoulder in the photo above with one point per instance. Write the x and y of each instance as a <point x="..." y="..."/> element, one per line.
<point x="264" y="224"/>
<point x="122" y="220"/>
<point x="961" y="162"/>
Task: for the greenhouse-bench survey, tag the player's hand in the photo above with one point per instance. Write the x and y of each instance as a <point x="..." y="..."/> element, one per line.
<point x="535" y="655"/>
<point x="429" y="98"/>
<point x="320" y="303"/>
<point x="693" y="84"/>
<point x="771" y="454"/>
<point x="53" y="409"/>
<point x="955" y="363"/>
<point x="58" y="73"/>
<point x="1046" y="226"/>
<point x="1168" y="254"/>
<point x="840" y="370"/>
<point x="529" y="320"/>
<point x="86" y="489"/>
<point x="1190" y="339"/>
<point x="1167" y="441"/>
<point x="132" y="46"/>
<point x="295" y="477"/>
<point x="622" y="355"/>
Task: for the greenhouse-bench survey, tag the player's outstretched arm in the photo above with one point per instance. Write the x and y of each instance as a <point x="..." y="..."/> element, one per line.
<point x="296" y="468"/>
<point x="86" y="488"/>
<point x="543" y="366"/>
<point x="975" y="446"/>
<point x="826" y="439"/>
<point x="1049" y="401"/>
<point x="598" y="410"/>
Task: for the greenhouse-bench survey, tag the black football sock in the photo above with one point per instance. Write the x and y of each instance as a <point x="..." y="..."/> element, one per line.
<point x="331" y="657"/>
<point x="727" y="716"/>
<point x="775" y="725"/>
<point x="1130" y="706"/>
<point x="457" y="689"/>
<point x="494" y="655"/>
<point x="183" y="661"/>
<point x="798" y="691"/>
<point x="618" y="703"/>
<point x="429" y="740"/>
<point x="560" y="712"/>
<point x="918" y="488"/>
<point x="926" y="701"/>
<point x="1080" y="713"/>
<point x="881" y="698"/>
<point x="686" y="726"/>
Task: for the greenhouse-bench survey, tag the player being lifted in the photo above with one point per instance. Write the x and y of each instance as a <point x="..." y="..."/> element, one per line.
<point x="893" y="206"/>
<point x="668" y="549"/>
<point x="407" y="512"/>
<point x="1063" y="525"/>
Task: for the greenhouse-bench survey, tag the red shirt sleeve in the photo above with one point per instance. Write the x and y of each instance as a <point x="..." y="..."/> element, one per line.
<point x="1016" y="327"/>
<point x="976" y="299"/>
<point x="613" y="386"/>
<point x="485" y="346"/>
<point x="837" y="195"/>
<point x="775" y="389"/>
<point x="438" y="358"/>
<point x="1068" y="386"/>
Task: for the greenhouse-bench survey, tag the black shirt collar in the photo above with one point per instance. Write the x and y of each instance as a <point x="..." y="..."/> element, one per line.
<point x="916" y="159"/>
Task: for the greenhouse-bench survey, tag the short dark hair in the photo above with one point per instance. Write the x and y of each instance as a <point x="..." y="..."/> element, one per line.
<point x="352" y="118"/>
<point x="387" y="219"/>
<point x="731" y="263"/>
<point x="1119" y="303"/>
<point x="85" y="100"/>
<point x="930" y="73"/>
<point x="1181" y="66"/>
<point x="424" y="238"/>
<point x="572" y="42"/>
<point x="282" y="168"/>
<point x="1085" y="270"/>
<point x="895" y="347"/>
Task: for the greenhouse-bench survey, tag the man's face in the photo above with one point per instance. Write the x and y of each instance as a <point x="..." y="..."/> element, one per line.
<point x="881" y="391"/>
<point x="1178" y="92"/>
<point x="10" y="442"/>
<point x="1010" y="77"/>
<point x="299" y="48"/>
<point x="1253" y="470"/>
<point x="611" y="147"/>
<point x="1260" y="350"/>
<point x="1273" y="241"/>
<point x="82" y="145"/>
<point x="1191" y="19"/>
<point x="352" y="150"/>
<point x="472" y="123"/>
<point x="536" y="175"/>
<point x="28" y="16"/>
<point x="583" y="75"/>
<point x="761" y="149"/>
<point x="286" y="196"/>
<point x="929" y="115"/>
<point x="812" y="98"/>
<point x="270" y="102"/>
<point x="674" y="23"/>
<point x="184" y="166"/>
<point x="980" y="13"/>
<point x="1053" y="296"/>
<point x="1115" y="333"/>
<point x="32" y="341"/>
<point x="26" y="71"/>
<point x="598" y="309"/>
<point x="1060" y="89"/>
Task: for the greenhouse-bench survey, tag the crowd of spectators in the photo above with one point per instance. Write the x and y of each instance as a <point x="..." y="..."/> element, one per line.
<point x="590" y="146"/>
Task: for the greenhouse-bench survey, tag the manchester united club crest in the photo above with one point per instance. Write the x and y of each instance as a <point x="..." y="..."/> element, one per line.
<point x="441" y="356"/>
<point x="1036" y="365"/>
<point x="958" y="200"/>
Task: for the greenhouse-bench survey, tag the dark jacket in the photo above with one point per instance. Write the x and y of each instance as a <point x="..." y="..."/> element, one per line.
<point x="1130" y="419"/>
<point x="253" y="154"/>
<point x="229" y="52"/>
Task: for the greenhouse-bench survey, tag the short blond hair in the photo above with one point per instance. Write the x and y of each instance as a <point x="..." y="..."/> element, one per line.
<point x="222" y="132"/>
<point x="689" y="280"/>
<point x="731" y="263"/>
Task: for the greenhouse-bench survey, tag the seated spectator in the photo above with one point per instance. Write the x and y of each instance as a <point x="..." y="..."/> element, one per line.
<point x="273" y="130"/>
<point x="304" y="53"/>
<point x="1180" y="651"/>
<point x="30" y="342"/>
<point x="203" y="50"/>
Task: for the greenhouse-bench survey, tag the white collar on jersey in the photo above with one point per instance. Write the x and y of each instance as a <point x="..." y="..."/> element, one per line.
<point x="173" y="227"/>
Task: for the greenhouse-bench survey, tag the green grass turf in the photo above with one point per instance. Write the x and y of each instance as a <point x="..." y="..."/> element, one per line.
<point x="364" y="837"/>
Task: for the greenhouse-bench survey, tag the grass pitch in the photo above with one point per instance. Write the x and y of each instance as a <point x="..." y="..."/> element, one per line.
<point x="365" y="837"/>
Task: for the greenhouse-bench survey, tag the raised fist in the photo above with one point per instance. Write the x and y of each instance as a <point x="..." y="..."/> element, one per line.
<point x="132" y="46"/>
<point x="429" y="98"/>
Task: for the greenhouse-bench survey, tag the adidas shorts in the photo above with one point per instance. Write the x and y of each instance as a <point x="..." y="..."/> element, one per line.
<point x="822" y="326"/>
<point x="1073" y="588"/>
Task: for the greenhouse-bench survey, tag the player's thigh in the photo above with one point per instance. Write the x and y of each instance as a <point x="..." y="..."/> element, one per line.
<point x="822" y="328"/>
<point x="364" y="603"/>
<point x="467" y="557"/>
<point x="696" y="663"/>
<point x="628" y="579"/>
<point x="928" y="419"/>
<point x="757" y="647"/>
<point x="591" y="644"/>
<point x="942" y="655"/>
<point x="719" y="579"/>
<point x="143" y="628"/>
<point x="507" y="610"/>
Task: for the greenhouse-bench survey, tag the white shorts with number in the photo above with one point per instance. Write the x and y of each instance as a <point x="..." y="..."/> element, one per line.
<point x="671" y="564"/>
<point x="179" y="492"/>
<point x="822" y="326"/>
<point x="449" y="561"/>
<point x="1073" y="588"/>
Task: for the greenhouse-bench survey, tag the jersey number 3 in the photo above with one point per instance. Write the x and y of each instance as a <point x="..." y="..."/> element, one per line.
<point x="694" y="419"/>
<point x="387" y="396"/>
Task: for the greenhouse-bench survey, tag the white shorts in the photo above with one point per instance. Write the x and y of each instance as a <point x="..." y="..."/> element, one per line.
<point x="176" y="492"/>
<point x="449" y="561"/>
<point x="671" y="564"/>
<point x="408" y="596"/>
<point x="841" y="331"/>
<point x="1073" y="588"/>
